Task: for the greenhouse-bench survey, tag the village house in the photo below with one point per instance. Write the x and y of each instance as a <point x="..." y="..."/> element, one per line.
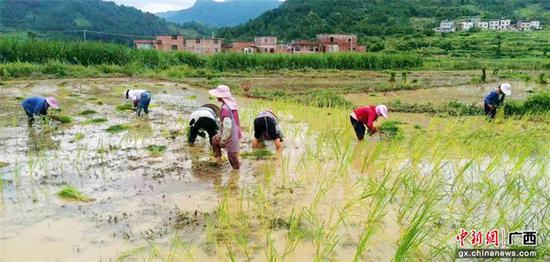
<point x="241" y="47"/>
<point x="266" y="44"/>
<point x="163" y="43"/>
<point x="528" y="25"/>
<point x="305" y="47"/>
<point x="330" y="43"/>
<point x="446" y="26"/>
<point x="483" y="25"/>
<point x="204" y="45"/>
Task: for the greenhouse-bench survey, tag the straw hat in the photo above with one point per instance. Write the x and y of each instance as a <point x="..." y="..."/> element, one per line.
<point x="506" y="88"/>
<point x="215" y="108"/>
<point x="222" y="91"/>
<point x="52" y="102"/>
<point x="382" y="110"/>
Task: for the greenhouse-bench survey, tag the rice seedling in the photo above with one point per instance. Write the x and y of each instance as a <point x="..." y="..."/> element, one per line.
<point x="391" y="130"/>
<point x="258" y="154"/>
<point x="156" y="150"/>
<point x="125" y="107"/>
<point x="71" y="193"/>
<point x="94" y="121"/>
<point x="61" y="118"/>
<point x="87" y="112"/>
<point x="116" y="129"/>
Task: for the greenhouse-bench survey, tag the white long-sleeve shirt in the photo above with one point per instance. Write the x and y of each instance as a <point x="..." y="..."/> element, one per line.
<point x="134" y="95"/>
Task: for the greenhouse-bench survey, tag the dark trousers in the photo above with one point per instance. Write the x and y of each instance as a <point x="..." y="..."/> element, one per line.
<point x="143" y="103"/>
<point x="491" y="113"/>
<point x="265" y="128"/>
<point x="358" y="127"/>
<point x="203" y="123"/>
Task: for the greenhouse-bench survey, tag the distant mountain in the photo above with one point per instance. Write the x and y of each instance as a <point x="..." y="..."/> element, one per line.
<point x="63" y="19"/>
<point x="303" y="19"/>
<point x="221" y="14"/>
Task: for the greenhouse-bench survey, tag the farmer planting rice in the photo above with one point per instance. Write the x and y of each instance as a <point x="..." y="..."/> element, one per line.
<point x="38" y="105"/>
<point x="366" y="116"/>
<point x="266" y="127"/>
<point x="230" y="133"/>
<point x="495" y="99"/>
<point x="140" y="99"/>
<point x="204" y="119"/>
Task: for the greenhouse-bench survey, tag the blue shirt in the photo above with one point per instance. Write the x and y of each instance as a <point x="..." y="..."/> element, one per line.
<point x="35" y="105"/>
<point x="493" y="98"/>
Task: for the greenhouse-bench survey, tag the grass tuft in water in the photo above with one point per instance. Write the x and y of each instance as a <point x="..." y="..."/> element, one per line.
<point x="62" y="118"/>
<point x="125" y="107"/>
<point x="391" y="129"/>
<point x="94" y="121"/>
<point x="88" y="112"/>
<point x="116" y="129"/>
<point x="258" y="154"/>
<point x="156" y="150"/>
<point x="71" y="193"/>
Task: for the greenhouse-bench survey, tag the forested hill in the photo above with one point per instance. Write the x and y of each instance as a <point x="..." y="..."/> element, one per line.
<point x="296" y="19"/>
<point x="219" y="14"/>
<point x="57" y="19"/>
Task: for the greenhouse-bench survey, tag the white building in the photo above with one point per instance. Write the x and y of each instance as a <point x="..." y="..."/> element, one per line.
<point x="446" y="26"/>
<point x="483" y="25"/>
<point x="535" y="25"/>
<point x="494" y="24"/>
<point x="466" y="25"/>
<point x="504" y="24"/>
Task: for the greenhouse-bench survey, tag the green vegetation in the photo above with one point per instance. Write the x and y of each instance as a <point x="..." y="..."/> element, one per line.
<point x="63" y="19"/>
<point x="106" y="56"/>
<point x="116" y="129"/>
<point x="88" y="112"/>
<point x="3" y="164"/>
<point x="125" y="107"/>
<point x="78" y="136"/>
<point x="391" y="129"/>
<point x="303" y="19"/>
<point x="94" y="121"/>
<point x="156" y="150"/>
<point x="61" y="118"/>
<point x="71" y="193"/>
<point x="538" y="103"/>
<point x="258" y="154"/>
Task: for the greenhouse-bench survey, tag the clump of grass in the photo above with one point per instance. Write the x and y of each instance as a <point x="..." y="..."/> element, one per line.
<point x="258" y="154"/>
<point x="192" y="97"/>
<point x="116" y="129"/>
<point x="94" y="121"/>
<point x="62" y="118"/>
<point x="99" y="103"/>
<point x="156" y="150"/>
<point x="71" y="193"/>
<point x="125" y="107"/>
<point x="391" y="129"/>
<point x="3" y="164"/>
<point x="78" y="136"/>
<point x="18" y="98"/>
<point x="88" y="112"/>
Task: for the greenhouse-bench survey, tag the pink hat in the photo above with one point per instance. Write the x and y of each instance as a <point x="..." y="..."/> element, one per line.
<point x="52" y="102"/>
<point x="382" y="110"/>
<point x="222" y="91"/>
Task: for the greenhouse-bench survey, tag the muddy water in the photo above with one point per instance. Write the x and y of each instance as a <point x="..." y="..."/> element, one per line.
<point x="136" y="195"/>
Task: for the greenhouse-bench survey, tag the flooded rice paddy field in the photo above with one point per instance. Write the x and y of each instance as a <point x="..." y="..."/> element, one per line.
<point x="326" y="196"/>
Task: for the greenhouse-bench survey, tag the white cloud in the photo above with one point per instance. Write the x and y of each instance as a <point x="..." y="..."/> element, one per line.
<point x="155" y="6"/>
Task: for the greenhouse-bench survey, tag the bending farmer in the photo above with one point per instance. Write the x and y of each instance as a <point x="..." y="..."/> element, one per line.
<point x="266" y="127"/>
<point x="38" y="105"/>
<point x="366" y="116"/>
<point x="230" y="133"/>
<point x="140" y="99"/>
<point x="495" y="98"/>
<point x="204" y="119"/>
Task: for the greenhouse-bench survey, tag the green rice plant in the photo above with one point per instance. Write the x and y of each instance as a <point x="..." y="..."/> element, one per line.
<point x="94" y="121"/>
<point x="78" y="136"/>
<point x="156" y="150"/>
<point x="116" y="129"/>
<point x="125" y="107"/>
<point x="88" y="112"/>
<point x="71" y="193"/>
<point x="61" y="118"/>
<point x="259" y="154"/>
<point x="391" y="130"/>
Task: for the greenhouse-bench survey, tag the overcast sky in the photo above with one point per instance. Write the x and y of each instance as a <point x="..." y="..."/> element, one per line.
<point x="155" y="6"/>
